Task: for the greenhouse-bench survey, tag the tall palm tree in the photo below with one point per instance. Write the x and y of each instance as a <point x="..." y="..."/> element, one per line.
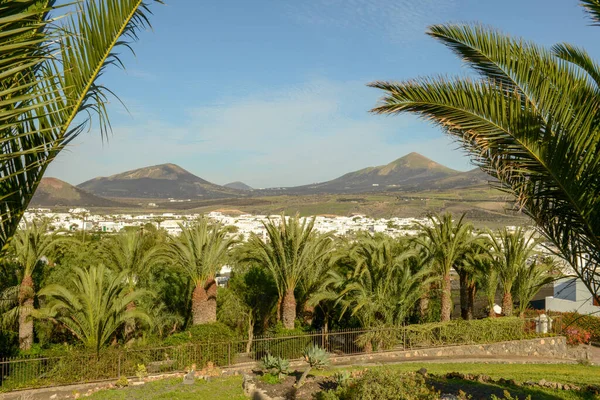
<point x="382" y="289"/>
<point x="95" y="308"/>
<point x="293" y="247"/>
<point x="446" y="243"/>
<point x="200" y="251"/>
<point x="49" y="70"/>
<point x="30" y="248"/>
<point x="511" y="251"/>
<point x="133" y="253"/>
<point x="531" y="121"/>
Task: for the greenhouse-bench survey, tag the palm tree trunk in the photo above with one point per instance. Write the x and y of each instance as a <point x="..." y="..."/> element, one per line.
<point x="368" y="347"/>
<point x="424" y="304"/>
<point x="130" y="324"/>
<point x="471" y="292"/>
<point x="211" y="302"/>
<point x="491" y="312"/>
<point x="289" y="309"/>
<point x="464" y="294"/>
<point x="308" y="313"/>
<point x="507" y="304"/>
<point x="199" y="300"/>
<point x="446" y="298"/>
<point x="279" y="308"/>
<point x="250" y="333"/>
<point x="26" y="307"/>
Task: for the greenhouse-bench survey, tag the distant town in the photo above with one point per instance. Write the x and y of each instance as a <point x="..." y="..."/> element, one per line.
<point x="82" y="219"/>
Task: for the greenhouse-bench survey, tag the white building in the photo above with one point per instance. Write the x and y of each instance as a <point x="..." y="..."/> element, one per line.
<point x="571" y="295"/>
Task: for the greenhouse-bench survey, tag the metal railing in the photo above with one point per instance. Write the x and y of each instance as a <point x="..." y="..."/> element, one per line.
<point x="112" y="363"/>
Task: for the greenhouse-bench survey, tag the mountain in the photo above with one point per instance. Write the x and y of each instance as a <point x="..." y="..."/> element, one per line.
<point x="54" y="192"/>
<point x="411" y="171"/>
<point x="237" y="185"/>
<point x="157" y="182"/>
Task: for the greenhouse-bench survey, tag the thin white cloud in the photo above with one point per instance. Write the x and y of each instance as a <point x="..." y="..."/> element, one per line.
<point x="399" y="20"/>
<point x="290" y="136"/>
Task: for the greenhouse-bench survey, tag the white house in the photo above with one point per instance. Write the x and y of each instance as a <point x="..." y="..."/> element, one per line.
<point x="570" y="294"/>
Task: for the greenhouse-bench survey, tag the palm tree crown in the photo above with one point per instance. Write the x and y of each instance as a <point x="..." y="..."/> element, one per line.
<point x="532" y="121"/>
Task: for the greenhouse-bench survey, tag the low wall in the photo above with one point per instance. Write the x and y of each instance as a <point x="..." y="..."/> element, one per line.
<point x="548" y="347"/>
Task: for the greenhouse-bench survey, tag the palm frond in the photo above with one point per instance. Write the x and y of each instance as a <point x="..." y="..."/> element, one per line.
<point x="593" y="8"/>
<point x="532" y="122"/>
<point x="49" y="78"/>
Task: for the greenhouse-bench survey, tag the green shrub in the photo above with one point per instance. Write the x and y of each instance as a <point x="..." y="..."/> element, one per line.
<point x="487" y="330"/>
<point x="342" y="378"/>
<point x="587" y="323"/>
<point x="122" y="382"/>
<point x="206" y="333"/>
<point x="383" y="384"/>
<point x="271" y="379"/>
<point x="284" y="343"/>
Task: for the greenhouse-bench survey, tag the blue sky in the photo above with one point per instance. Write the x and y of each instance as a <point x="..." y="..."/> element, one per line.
<point x="272" y="92"/>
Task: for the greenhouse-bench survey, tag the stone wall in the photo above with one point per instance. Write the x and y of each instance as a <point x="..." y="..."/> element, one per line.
<point x="549" y="347"/>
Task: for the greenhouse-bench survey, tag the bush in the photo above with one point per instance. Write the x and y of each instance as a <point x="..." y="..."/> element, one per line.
<point x="206" y="333"/>
<point x="284" y="343"/>
<point x="487" y="330"/>
<point x="587" y="323"/>
<point x="383" y="384"/>
<point x="577" y="336"/>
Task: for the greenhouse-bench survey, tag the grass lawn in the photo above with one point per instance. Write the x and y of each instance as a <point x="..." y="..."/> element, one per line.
<point x="225" y="388"/>
<point x="580" y="375"/>
<point x="231" y="387"/>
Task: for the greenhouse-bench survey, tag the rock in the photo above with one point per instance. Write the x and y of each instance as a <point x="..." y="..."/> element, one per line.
<point x="529" y="383"/>
<point x="449" y="396"/>
<point x="542" y="383"/>
<point x="54" y="396"/>
<point x="423" y="372"/>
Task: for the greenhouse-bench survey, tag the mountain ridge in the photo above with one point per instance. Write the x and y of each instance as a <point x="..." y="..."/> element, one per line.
<point x="53" y="192"/>
<point x="157" y="182"/>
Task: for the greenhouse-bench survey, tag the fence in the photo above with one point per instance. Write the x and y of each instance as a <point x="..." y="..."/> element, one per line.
<point x="112" y="363"/>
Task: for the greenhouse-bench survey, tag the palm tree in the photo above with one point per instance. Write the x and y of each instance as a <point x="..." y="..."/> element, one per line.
<point x="200" y="251"/>
<point x="475" y="261"/>
<point x="132" y="252"/>
<point x="530" y="279"/>
<point x="511" y="252"/>
<point x="30" y="248"/>
<point x="292" y="249"/>
<point x="383" y="288"/>
<point x="531" y="121"/>
<point x="486" y="277"/>
<point x="446" y="243"/>
<point x="50" y="66"/>
<point x="95" y="308"/>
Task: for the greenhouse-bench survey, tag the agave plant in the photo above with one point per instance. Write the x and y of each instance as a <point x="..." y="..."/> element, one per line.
<point x="275" y="365"/>
<point x="49" y="70"/>
<point x="532" y="121"/>
<point x="316" y="357"/>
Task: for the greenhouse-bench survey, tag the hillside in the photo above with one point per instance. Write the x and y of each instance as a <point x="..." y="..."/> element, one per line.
<point x="237" y="185"/>
<point x="53" y="192"/>
<point x="157" y="182"/>
<point x="412" y="171"/>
